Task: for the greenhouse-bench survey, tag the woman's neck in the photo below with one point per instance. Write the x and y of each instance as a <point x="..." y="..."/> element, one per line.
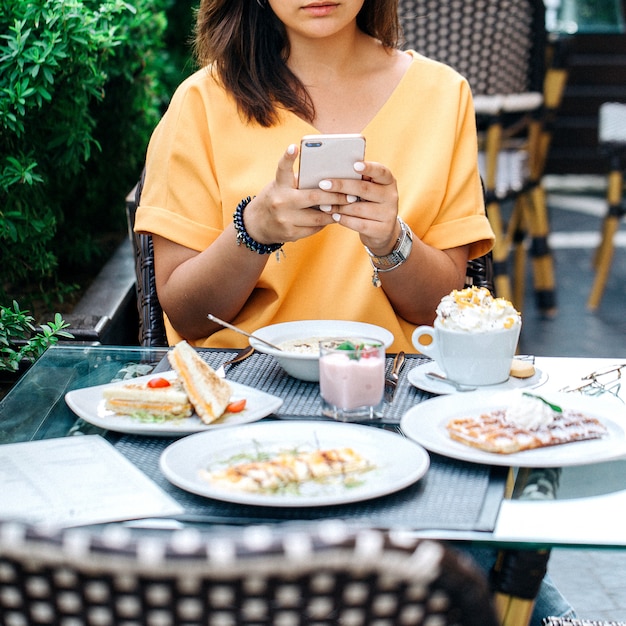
<point x="315" y="61"/>
<point x="348" y="79"/>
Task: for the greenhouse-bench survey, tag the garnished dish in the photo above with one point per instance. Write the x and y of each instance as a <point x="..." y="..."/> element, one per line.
<point x="188" y="399"/>
<point x="287" y="470"/>
<point x="299" y="342"/>
<point x="310" y="345"/>
<point x="519" y="429"/>
<point x="157" y="398"/>
<point x="197" y="386"/>
<point x="530" y="421"/>
<point x="294" y="464"/>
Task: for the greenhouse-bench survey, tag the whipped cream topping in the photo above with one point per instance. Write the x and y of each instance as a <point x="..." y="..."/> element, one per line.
<point x="528" y="412"/>
<point x="474" y="309"/>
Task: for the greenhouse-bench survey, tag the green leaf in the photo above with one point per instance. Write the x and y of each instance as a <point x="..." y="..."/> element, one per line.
<point x="555" y="407"/>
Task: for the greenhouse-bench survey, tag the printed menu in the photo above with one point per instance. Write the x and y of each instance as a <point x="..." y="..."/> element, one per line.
<point x="74" y="481"/>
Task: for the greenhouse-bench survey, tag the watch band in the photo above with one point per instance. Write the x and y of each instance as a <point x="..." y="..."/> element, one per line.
<point x="396" y="257"/>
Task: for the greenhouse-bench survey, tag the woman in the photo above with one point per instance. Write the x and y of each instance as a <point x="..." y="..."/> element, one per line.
<point x="273" y="71"/>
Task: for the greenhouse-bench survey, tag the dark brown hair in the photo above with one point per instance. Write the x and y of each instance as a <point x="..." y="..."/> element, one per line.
<point x="247" y="45"/>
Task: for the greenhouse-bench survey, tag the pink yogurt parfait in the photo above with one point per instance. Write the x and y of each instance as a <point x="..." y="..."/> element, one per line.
<point x="352" y="378"/>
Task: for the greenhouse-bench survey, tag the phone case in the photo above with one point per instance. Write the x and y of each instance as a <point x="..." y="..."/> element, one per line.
<point x="329" y="156"/>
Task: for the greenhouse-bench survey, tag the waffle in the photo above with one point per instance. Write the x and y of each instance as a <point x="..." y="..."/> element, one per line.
<point x="492" y="433"/>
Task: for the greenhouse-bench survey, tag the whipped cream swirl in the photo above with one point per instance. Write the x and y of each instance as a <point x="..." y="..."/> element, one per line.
<point x="474" y="309"/>
<point x="529" y="412"/>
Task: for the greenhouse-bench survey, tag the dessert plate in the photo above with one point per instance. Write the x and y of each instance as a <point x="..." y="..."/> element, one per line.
<point x="88" y="403"/>
<point x="426" y="423"/>
<point x="417" y="377"/>
<point x="397" y="462"/>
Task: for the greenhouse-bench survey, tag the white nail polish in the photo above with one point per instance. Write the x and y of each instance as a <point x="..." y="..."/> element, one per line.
<point x="359" y="166"/>
<point x="326" y="208"/>
<point x="352" y="199"/>
<point x="291" y="149"/>
<point x="325" y="185"/>
<point x="336" y="216"/>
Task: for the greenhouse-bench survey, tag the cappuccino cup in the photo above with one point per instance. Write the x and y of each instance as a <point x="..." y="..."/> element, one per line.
<point x="477" y="357"/>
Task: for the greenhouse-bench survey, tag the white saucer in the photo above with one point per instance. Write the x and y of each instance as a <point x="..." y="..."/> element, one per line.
<point x="417" y="377"/>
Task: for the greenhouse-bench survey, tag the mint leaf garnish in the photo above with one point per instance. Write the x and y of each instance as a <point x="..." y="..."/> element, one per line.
<point x="555" y="407"/>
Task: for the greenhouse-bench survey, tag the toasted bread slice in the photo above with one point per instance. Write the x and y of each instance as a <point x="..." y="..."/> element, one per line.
<point x="134" y="398"/>
<point x="208" y="393"/>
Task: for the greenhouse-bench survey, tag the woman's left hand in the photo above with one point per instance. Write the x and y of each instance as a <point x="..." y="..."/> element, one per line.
<point x="372" y="208"/>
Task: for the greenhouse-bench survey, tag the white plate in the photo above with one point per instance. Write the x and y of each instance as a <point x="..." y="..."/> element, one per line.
<point x="417" y="377"/>
<point x="306" y="366"/>
<point x="399" y="462"/>
<point x="426" y="424"/>
<point x="88" y="403"/>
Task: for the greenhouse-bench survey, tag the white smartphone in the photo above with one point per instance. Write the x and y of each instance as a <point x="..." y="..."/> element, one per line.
<point x="329" y="156"/>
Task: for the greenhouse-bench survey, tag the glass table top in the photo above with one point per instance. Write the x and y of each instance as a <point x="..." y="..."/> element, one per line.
<point x="35" y="409"/>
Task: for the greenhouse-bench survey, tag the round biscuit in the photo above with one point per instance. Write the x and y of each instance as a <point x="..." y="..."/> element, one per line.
<point x="522" y="369"/>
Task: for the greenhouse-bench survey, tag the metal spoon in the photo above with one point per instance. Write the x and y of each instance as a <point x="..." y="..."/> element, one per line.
<point x="449" y="381"/>
<point x="240" y="356"/>
<point x="217" y="320"/>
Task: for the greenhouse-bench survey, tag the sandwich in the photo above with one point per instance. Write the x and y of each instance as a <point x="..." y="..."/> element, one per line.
<point x="207" y="392"/>
<point x="144" y="399"/>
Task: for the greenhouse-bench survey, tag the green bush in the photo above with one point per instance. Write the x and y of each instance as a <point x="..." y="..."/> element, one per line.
<point x="21" y="341"/>
<point x="82" y="85"/>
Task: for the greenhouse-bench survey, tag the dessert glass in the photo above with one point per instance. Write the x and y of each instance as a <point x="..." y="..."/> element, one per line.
<point x="352" y="378"/>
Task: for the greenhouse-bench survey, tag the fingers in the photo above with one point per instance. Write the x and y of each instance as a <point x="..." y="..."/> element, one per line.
<point x="374" y="185"/>
<point x="284" y="172"/>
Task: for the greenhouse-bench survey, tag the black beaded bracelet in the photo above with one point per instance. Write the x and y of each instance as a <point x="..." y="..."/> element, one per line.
<point x="244" y="238"/>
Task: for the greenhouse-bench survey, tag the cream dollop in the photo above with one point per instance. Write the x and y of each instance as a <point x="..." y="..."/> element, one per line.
<point x="528" y="412"/>
<point x="474" y="309"/>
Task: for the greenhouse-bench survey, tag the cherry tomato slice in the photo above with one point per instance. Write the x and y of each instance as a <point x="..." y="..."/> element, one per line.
<point x="155" y="383"/>
<point x="237" y="406"/>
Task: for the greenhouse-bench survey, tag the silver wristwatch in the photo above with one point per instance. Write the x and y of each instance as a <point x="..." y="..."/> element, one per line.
<point x="396" y="257"/>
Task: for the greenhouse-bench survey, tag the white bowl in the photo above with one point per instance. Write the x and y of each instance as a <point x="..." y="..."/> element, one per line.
<point x="306" y="366"/>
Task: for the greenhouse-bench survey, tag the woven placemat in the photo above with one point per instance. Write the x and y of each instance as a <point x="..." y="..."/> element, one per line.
<point x="452" y="495"/>
<point x="301" y="398"/>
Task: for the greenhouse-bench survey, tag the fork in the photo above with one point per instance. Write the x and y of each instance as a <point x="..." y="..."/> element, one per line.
<point x="240" y="356"/>
<point x="391" y="382"/>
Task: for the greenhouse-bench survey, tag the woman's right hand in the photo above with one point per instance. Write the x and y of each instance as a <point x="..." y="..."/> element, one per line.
<point x="281" y="212"/>
<point x="191" y="283"/>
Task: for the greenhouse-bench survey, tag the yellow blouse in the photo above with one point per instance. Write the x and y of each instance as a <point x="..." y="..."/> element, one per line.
<point x="203" y="159"/>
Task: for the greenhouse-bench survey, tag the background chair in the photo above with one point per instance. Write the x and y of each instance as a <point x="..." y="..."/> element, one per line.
<point x="151" y="326"/>
<point x="256" y="577"/>
<point x="500" y="47"/>
<point x="612" y="141"/>
<point x="560" y="621"/>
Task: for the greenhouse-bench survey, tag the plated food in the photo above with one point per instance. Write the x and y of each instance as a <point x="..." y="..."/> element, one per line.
<point x="528" y="422"/>
<point x="287" y="470"/>
<point x="197" y="386"/>
<point x="147" y="398"/>
<point x="471" y="427"/>
<point x="299" y="342"/>
<point x="303" y="463"/>
<point x="187" y="399"/>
